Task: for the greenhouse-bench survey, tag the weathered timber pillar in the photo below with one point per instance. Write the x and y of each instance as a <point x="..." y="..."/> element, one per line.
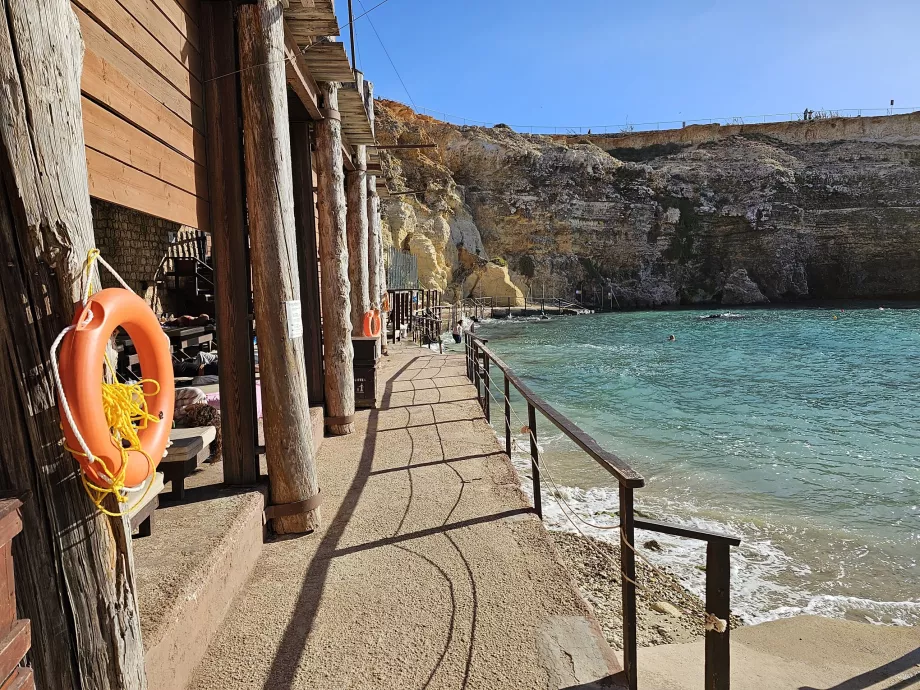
<point x="375" y="281"/>
<point x="308" y="258"/>
<point x="74" y="566"/>
<point x="229" y="243"/>
<point x="270" y="199"/>
<point x="333" y="251"/>
<point x="356" y="230"/>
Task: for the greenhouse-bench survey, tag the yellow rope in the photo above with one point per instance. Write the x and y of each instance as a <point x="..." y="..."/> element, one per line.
<point x="125" y="408"/>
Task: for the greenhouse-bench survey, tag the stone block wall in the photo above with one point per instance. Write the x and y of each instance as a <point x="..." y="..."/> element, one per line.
<point x="135" y="244"/>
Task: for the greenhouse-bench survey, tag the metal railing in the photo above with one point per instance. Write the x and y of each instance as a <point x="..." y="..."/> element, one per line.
<point x="427" y="329"/>
<point x="484" y="306"/>
<point x="479" y="362"/>
<point x="402" y="270"/>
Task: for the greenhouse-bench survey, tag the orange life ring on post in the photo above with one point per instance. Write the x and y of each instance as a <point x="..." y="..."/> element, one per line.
<point x="81" y="356"/>
<point x="372" y="324"/>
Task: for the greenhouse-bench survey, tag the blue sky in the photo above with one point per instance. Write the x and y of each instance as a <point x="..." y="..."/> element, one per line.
<point x="597" y="62"/>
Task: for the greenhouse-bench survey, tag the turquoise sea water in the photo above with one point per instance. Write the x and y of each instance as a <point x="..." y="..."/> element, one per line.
<point x="794" y="430"/>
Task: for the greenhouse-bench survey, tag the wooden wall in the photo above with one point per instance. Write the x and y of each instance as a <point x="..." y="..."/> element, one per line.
<point x="142" y="106"/>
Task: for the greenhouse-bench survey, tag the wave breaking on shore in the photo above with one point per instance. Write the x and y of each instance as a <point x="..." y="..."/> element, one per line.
<point x="758" y="564"/>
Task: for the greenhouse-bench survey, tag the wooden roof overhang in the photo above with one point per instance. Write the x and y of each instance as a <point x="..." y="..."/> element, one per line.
<point x="308" y="19"/>
<point x="310" y="61"/>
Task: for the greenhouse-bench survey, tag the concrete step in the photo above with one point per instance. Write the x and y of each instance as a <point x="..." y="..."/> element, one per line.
<point x="198" y="557"/>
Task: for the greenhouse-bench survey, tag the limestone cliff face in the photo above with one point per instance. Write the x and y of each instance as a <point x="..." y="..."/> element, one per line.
<point x="733" y="215"/>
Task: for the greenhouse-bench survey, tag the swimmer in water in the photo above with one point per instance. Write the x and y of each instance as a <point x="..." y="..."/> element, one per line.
<point x="671" y="338"/>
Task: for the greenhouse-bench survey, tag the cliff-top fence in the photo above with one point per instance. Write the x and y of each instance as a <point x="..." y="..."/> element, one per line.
<point x="630" y="127"/>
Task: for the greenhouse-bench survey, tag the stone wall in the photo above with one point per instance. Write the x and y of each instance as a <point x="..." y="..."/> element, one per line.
<point x="135" y="244"/>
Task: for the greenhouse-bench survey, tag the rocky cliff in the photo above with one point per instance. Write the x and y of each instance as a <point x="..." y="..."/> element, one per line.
<point x="709" y="214"/>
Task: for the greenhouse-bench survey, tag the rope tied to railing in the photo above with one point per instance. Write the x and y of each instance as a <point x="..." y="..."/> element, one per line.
<point x="711" y="621"/>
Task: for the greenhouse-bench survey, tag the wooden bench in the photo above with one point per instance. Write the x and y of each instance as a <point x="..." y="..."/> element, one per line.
<point x="190" y="447"/>
<point x="142" y="516"/>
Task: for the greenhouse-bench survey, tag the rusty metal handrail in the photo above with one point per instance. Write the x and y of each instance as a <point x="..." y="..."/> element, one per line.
<point x="718" y="566"/>
<point x="625" y="474"/>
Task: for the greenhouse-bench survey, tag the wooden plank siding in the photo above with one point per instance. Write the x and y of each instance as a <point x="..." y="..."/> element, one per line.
<point x="143" y="107"/>
<point x="107" y="133"/>
<point x="114" y="181"/>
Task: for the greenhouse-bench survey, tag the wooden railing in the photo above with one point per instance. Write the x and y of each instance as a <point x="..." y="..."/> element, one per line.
<point x="480" y="361"/>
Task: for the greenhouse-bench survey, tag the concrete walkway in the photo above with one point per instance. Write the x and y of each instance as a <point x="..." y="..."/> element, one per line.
<point x="431" y="570"/>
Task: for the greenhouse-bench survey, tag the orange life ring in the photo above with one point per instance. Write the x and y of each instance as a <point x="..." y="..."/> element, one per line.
<point x="372" y="324"/>
<point x="386" y="303"/>
<point x="81" y="356"/>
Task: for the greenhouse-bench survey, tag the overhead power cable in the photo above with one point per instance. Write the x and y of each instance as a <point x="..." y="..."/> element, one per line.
<point x="387" y="52"/>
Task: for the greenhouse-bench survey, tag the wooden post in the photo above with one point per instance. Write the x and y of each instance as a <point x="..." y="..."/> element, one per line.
<point x="74" y="566"/>
<point x="308" y="258"/>
<point x="718" y="576"/>
<point x="230" y="243"/>
<point x="376" y="281"/>
<point x="270" y="198"/>
<point x="333" y="249"/>
<point x="356" y="230"/>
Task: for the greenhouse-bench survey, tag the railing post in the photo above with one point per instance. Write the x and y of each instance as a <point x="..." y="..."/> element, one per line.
<point x="476" y="373"/>
<point x="718" y="573"/>
<point x="627" y="578"/>
<point x="487" y="396"/>
<point x="507" y="416"/>
<point x="534" y="460"/>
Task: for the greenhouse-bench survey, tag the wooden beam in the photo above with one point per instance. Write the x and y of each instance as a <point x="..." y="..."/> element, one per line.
<point x="308" y="259"/>
<point x="289" y="447"/>
<point x="78" y="585"/>
<point x="333" y="249"/>
<point x="298" y="75"/>
<point x="347" y="161"/>
<point x="229" y="241"/>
